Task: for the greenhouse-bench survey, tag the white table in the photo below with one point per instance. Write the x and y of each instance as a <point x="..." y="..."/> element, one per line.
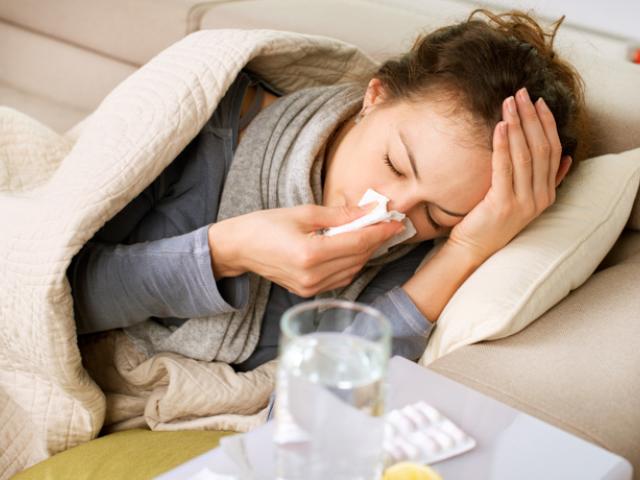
<point x="510" y="444"/>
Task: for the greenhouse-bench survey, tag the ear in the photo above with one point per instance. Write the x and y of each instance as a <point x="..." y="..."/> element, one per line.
<point x="563" y="168"/>
<point x="375" y="93"/>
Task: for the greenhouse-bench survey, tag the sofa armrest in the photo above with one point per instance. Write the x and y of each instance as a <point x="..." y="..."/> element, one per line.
<point x="576" y="367"/>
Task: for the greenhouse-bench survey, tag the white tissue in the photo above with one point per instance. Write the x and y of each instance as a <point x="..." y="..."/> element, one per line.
<point x="378" y="214"/>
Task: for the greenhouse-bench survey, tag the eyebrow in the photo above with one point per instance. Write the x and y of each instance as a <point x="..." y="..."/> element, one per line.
<point x="415" y="172"/>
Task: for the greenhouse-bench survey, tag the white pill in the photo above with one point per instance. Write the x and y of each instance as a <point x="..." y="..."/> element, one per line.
<point x="417" y="419"/>
<point x="426" y="443"/>
<point x="399" y="421"/>
<point x="428" y="411"/>
<point x="442" y="438"/>
<point x="411" y="451"/>
<point x="457" y="434"/>
<point x="389" y="430"/>
<point x="394" y="451"/>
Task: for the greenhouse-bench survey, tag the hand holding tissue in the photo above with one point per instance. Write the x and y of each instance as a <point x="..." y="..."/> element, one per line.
<point x="378" y="214"/>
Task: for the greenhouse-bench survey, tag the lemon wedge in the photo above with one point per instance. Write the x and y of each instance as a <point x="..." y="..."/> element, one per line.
<point x="410" y="471"/>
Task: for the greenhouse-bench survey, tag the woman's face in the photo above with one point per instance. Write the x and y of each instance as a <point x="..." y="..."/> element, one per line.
<point x="447" y="178"/>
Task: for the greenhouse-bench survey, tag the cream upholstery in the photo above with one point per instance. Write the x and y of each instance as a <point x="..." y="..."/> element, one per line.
<point x="131" y="31"/>
<point x="575" y="367"/>
<point x="54" y="81"/>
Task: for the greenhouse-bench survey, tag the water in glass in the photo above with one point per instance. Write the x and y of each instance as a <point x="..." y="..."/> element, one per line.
<point x="330" y="407"/>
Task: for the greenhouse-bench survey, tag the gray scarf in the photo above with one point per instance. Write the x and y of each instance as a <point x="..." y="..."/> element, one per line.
<point x="277" y="164"/>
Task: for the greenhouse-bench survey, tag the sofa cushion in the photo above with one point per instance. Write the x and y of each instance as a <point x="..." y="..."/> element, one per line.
<point x="53" y="114"/>
<point x="577" y="367"/>
<point x="129" y="454"/>
<point x="553" y="255"/>
<point x="53" y="81"/>
<point x="354" y="21"/>
<point x="129" y="30"/>
<point x="361" y="22"/>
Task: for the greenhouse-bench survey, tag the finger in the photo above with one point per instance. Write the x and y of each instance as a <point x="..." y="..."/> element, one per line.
<point x="337" y="277"/>
<point x="519" y="151"/>
<point x="340" y="279"/>
<point x="502" y="169"/>
<point x="539" y="148"/>
<point x="336" y="265"/>
<point x="316" y="217"/>
<point x="565" y="165"/>
<point x="327" y="272"/>
<point x="551" y="131"/>
<point x="363" y="241"/>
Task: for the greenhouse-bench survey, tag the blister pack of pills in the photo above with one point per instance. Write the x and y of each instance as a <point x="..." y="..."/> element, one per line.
<point x="420" y="433"/>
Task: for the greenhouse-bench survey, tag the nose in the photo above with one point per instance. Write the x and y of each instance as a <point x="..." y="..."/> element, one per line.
<point x="403" y="201"/>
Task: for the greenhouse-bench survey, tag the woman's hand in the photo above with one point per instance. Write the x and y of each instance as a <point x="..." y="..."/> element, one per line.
<point x="282" y="245"/>
<point x="525" y="164"/>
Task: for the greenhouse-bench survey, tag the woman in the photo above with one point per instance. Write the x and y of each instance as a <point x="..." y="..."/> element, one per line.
<point x="469" y="134"/>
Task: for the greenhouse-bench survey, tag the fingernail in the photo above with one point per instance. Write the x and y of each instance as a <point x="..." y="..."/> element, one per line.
<point x="543" y="104"/>
<point x="511" y="105"/>
<point x="524" y="95"/>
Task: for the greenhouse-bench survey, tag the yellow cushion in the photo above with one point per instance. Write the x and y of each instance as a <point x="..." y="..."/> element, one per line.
<point x="129" y="454"/>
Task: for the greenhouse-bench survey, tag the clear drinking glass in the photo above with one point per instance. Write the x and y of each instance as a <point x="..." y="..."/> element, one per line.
<point x="331" y="390"/>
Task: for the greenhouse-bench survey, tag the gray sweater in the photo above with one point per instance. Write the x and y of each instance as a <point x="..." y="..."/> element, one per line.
<point x="152" y="260"/>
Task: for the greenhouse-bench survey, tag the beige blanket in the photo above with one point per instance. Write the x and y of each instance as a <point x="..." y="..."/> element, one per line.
<point x="56" y="192"/>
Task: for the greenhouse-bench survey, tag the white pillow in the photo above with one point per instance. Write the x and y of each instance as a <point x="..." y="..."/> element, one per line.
<point x="553" y="255"/>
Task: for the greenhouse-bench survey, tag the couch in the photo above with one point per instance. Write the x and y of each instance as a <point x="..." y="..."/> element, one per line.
<point x="577" y="366"/>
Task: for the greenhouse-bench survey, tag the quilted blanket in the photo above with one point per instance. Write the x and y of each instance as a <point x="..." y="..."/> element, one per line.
<point x="57" y="191"/>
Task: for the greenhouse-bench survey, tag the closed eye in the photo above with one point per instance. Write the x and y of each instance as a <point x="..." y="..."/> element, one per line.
<point x="395" y="171"/>
<point x="431" y="220"/>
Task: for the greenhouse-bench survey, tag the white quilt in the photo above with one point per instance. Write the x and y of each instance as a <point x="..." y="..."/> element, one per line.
<point x="56" y="192"/>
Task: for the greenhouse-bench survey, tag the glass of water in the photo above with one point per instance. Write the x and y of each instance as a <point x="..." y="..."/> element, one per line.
<point x="331" y="390"/>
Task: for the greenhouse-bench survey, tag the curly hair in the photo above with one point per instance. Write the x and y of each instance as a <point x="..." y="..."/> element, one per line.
<point x="479" y="63"/>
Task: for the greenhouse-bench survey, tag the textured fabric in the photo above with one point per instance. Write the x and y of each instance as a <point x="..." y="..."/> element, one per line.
<point x="54" y="196"/>
<point x="134" y="454"/>
<point x="577" y="367"/>
<point x="553" y="255"/>
<point x="165" y="221"/>
<point x="277" y="164"/>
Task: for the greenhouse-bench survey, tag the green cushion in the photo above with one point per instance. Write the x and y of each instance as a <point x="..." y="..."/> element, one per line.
<point x="130" y="454"/>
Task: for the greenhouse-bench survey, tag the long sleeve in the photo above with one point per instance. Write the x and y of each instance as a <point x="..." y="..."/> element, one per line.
<point x="410" y="330"/>
<point x="115" y="286"/>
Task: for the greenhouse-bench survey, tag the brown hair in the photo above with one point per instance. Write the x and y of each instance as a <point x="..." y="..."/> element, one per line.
<point x="480" y="63"/>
